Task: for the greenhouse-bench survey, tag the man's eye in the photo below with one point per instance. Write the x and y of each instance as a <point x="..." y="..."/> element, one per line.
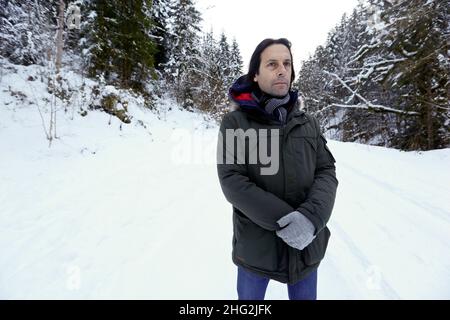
<point x="272" y="64"/>
<point x="287" y="64"/>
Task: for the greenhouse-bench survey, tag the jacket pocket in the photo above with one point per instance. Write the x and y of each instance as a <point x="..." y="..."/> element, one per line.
<point x="304" y="153"/>
<point x="315" y="252"/>
<point x="312" y="143"/>
<point x="324" y="140"/>
<point x="254" y="246"/>
<point x="302" y="143"/>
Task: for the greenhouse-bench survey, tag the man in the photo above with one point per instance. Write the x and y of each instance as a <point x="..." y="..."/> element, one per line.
<point x="279" y="215"/>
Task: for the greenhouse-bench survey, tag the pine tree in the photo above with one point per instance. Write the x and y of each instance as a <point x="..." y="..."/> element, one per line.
<point x="161" y="11"/>
<point x="183" y="63"/>
<point x="224" y="60"/>
<point x="399" y="68"/>
<point x="383" y="76"/>
<point x="210" y="89"/>
<point x="355" y="123"/>
<point x="236" y="64"/>
<point x="122" y="48"/>
<point x="25" y="34"/>
<point x="415" y="38"/>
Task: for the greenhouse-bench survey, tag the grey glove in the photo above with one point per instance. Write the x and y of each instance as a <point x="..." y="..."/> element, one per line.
<point x="298" y="231"/>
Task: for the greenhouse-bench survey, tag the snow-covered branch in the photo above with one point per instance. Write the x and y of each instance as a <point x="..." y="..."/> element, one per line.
<point x="374" y="107"/>
<point x="374" y="64"/>
<point x="367" y="104"/>
<point x="362" y="50"/>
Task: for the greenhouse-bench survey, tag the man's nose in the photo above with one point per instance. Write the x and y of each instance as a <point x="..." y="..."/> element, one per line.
<point x="282" y="71"/>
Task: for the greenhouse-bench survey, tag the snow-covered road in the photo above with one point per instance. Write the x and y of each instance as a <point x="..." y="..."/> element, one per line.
<point x="120" y="214"/>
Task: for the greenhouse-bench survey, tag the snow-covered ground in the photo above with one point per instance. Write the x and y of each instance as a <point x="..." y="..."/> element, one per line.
<point x="138" y="212"/>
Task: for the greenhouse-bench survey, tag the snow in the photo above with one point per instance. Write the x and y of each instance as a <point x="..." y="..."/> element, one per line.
<point x="138" y="212"/>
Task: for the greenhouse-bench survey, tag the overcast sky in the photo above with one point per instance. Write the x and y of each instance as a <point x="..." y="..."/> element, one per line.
<point x="305" y="23"/>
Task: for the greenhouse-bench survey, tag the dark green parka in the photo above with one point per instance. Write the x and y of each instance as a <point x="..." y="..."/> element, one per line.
<point x="306" y="181"/>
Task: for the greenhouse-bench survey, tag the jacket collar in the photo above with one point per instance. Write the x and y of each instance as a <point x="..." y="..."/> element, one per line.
<point x="241" y="95"/>
<point x="295" y="117"/>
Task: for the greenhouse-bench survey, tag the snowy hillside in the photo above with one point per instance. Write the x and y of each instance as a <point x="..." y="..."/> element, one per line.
<point x="138" y="212"/>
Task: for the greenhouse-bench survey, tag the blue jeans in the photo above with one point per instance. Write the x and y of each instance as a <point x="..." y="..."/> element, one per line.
<point x="251" y="286"/>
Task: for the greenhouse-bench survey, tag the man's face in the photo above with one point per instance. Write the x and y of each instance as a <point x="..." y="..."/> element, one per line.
<point x="274" y="75"/>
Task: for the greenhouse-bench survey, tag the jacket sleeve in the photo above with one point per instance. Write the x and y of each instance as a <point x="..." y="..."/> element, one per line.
<point x="260" y="206"/>
<point x="320" y="199"/>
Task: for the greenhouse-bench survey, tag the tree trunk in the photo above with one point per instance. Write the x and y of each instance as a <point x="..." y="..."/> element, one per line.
<point x="429" y="107"/>
<point x="59" y="36"/>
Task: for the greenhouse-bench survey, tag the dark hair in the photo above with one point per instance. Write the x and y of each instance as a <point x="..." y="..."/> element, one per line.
<point x="255" y="60"/>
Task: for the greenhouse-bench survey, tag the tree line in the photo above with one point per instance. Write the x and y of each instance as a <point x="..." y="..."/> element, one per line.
<point x="382" y="77"/>
<point x="153" y="47"/>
